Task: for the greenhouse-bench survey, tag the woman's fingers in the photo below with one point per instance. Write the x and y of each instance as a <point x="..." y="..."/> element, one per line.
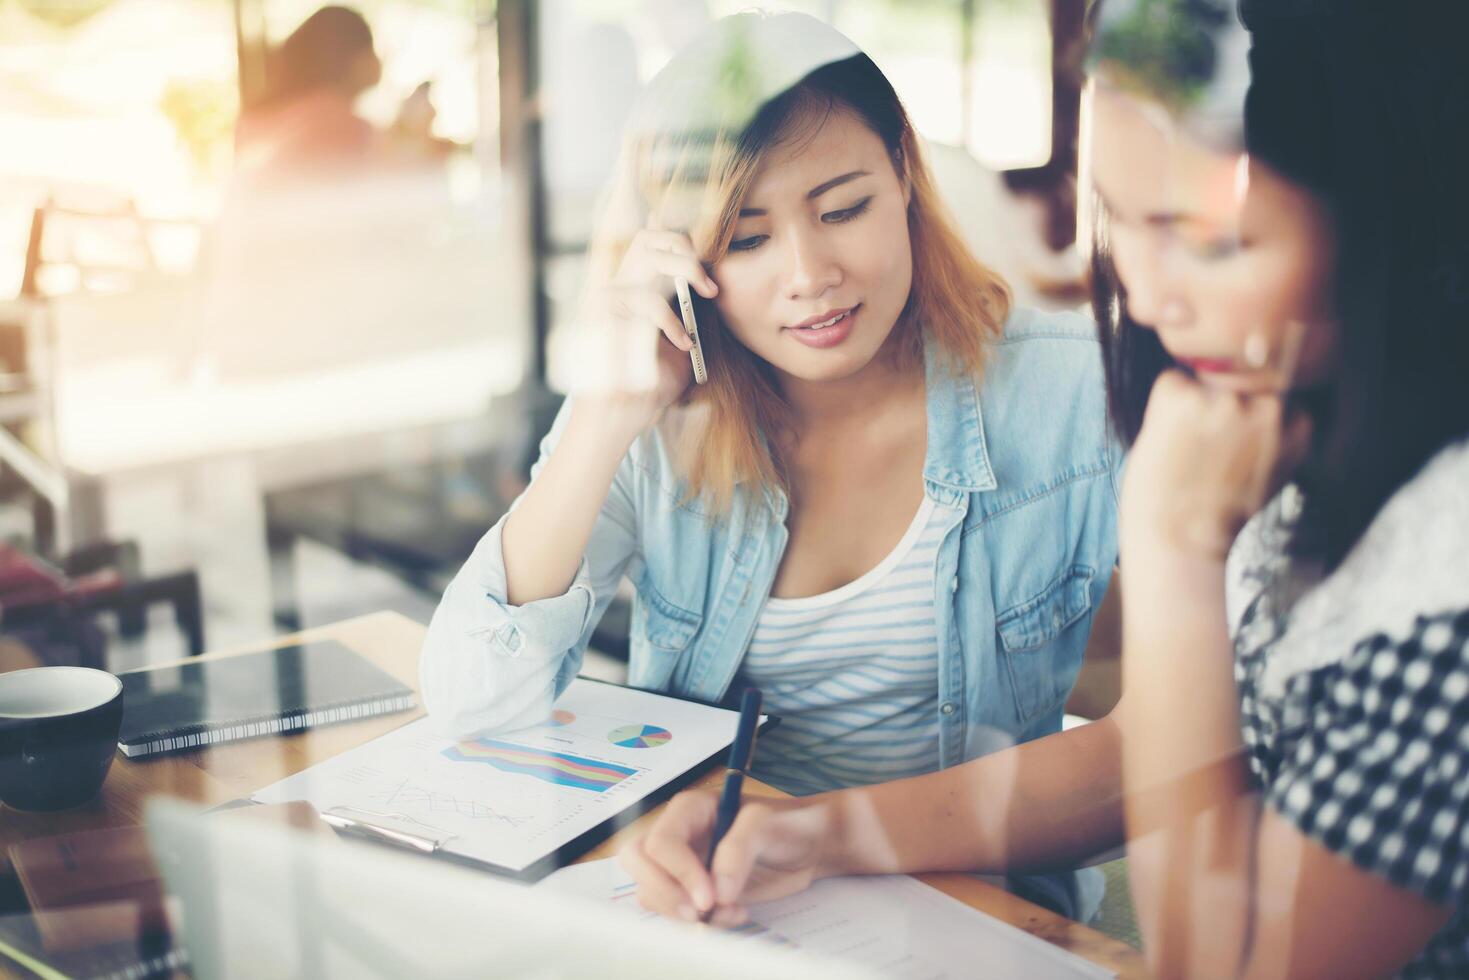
<point x="670" y="253"/>
<point x="640" y="304"/>
<point x="736" y="855"/>
<point x="1213" y="457"/>
<point x="676" y="840"/>
<point x="657" y="311"/>
<point x="768" y="853"/>
<point x="641" y="290"/>
<point x="667" y="862"/>
<point x="657" y="890"/>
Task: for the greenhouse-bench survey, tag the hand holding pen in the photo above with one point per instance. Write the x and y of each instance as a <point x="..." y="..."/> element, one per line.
<point x="688" y="868"/>
<point x="741" y="755"/>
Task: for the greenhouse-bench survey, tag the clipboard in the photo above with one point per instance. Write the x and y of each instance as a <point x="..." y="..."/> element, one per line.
<point x="416" y="833"/>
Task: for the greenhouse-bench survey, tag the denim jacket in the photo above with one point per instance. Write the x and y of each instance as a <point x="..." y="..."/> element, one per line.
<point x="1024" y="473"/>
<point x="1022" y="468"/>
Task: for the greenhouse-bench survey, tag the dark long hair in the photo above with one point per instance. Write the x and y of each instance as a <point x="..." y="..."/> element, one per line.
<point x="1365" y="105"/>
<point x="320" y="53"/>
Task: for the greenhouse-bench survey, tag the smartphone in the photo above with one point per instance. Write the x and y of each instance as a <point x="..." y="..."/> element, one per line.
<point x="691" y="327"/>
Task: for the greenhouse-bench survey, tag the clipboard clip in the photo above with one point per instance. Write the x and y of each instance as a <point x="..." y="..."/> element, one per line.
<point x="390" y="828"/>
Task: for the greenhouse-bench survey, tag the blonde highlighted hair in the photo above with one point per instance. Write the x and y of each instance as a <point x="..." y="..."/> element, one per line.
<point x="691" y="172"/>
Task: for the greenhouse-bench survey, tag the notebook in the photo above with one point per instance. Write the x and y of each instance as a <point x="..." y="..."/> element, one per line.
<point x="203" y="702"/>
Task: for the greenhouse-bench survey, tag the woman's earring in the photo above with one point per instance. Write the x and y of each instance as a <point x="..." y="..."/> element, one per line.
<point x="1257" y="351"/>
<point x="1173" y="313"/>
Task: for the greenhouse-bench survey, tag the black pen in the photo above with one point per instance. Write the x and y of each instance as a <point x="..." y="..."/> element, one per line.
<point x="741" y="754"/>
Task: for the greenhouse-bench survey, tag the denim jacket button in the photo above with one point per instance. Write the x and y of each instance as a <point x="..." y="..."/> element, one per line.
<point x="954" y="584"/>
<point x="510" y="639"/>
<point x="947" y="708"/>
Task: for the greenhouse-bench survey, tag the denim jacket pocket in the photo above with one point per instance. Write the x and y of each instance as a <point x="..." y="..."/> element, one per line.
<point x="667" y="627"/>
<point x="1041" y="672"/>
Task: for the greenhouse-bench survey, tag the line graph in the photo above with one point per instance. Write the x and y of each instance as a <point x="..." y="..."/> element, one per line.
<point x="408" y="794"/>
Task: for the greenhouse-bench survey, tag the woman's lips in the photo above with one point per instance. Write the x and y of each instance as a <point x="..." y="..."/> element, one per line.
<point x="829" y="333"/>
<point x="1229" y="375"/>
<point x="1210" y="365"/>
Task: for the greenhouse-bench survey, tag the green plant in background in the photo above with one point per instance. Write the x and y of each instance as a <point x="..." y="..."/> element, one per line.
<point x="1168" y="47"/>
<point x="739" y="85"/>
<point x="481" y="10"/>
<point x="913" y="25"/>
<point x="63" y="13"/>
<point x="203" y="112"/>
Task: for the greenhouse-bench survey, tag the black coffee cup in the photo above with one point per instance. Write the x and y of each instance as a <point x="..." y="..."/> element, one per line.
<point x="58" y="734"/>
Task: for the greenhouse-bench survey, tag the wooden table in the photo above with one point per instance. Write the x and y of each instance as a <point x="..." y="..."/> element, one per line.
<point x="226" y="772"/>
<point x="391" y="641"/>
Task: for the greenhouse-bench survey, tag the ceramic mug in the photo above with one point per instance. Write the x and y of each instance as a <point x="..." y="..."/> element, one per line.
<point x="58" y="734"/>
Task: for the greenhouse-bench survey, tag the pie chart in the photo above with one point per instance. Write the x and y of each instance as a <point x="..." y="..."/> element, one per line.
<point x="639" y="736"/>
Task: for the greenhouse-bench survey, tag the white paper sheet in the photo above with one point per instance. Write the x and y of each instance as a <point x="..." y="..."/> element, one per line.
<point x="510" y="800"/>
<point x="894" y="925"/>
<point x="261" y="901"/>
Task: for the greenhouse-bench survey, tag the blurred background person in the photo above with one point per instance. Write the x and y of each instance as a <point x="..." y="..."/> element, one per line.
<point x="205" y="341"/>
<point x="308" y="125"/>
<point x="412" y="134"/>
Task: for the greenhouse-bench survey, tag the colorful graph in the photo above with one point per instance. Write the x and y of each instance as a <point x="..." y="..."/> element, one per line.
<point x="639" y="736"/>
<point x="556" y="768"/>
<point x="560" y="717"/>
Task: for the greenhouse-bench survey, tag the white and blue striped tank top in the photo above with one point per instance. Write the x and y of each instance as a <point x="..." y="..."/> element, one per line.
<point x="853" y="673"/>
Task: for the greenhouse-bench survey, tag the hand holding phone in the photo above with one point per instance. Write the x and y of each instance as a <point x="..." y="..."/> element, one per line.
<point x="691" y="327"/>
<point x="639" y="298"/>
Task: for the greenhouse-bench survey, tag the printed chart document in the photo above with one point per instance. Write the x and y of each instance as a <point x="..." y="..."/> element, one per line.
<point x="893" y="925"/>
<point x="514" y="800"/>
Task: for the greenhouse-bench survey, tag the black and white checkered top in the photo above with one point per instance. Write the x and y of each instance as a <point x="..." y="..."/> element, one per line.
<point x="1354" y="691"/>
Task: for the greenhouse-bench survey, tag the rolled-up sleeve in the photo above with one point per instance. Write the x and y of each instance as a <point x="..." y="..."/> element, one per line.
<point x="488" y="665"/>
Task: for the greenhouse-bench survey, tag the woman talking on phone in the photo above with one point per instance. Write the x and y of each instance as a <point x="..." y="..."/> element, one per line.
<point x="893" y="505"/>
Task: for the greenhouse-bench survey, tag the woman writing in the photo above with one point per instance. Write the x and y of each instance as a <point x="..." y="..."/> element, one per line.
<point x="892" y="507"/>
